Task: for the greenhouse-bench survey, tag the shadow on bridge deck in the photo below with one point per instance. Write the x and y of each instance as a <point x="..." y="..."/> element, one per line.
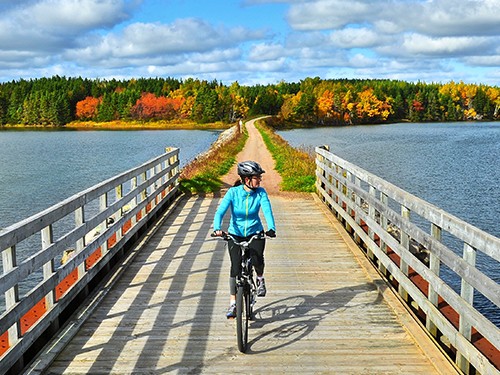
<point x="324" y="312"/>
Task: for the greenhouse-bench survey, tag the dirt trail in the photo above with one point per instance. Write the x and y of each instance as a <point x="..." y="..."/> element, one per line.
<point x="255" y="149"/>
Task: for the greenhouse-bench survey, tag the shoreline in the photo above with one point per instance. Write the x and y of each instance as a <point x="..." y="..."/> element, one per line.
<point x="122" y="125"/>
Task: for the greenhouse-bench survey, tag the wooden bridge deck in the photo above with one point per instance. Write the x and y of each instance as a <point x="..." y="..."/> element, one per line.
<point x="324" y="312"/>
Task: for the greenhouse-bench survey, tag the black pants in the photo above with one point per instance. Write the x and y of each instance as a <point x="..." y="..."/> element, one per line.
<point x="257" y="253"/>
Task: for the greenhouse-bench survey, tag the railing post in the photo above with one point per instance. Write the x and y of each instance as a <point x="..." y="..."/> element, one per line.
<point x="9" y="261"/>
<point x="154" y="186"/>
<point x="118" y="196"/>
<point x="350" y="198"/>
<point x="133" y="202"/>
<point x="405" y="243"/>
<point x="80" y="244"/>
<point x="342" y="191"/>
<point x="467" y="293"/>
<point x="334" y="182"/>
<point x="172" y="160"/>
<point x="48" y="268"/>
<point x="371" y="213"/>
<point x="384" y="222"/>
<point x="357" y="182"/>
<point x="103" y="204"/>
<point x="143" y="196"/>
<point x="434" y="266"/>
<point x="321" y="172"/>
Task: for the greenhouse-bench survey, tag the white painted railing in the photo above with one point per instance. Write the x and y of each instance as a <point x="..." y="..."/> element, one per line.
<point x="49" y="259"/>
<point x="412" y="243"/>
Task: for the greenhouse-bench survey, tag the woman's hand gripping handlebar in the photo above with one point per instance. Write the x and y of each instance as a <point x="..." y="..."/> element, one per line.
<point x="226" y="236"/>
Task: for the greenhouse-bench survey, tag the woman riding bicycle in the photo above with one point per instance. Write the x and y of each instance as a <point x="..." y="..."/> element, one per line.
<point x="245" y="200"/>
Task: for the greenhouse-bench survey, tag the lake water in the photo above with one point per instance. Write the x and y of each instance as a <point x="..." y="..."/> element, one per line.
<point x="41" y="168"/>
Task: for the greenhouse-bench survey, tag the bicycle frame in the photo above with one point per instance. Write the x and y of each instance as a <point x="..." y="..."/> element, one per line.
<point x="246" y="290"/>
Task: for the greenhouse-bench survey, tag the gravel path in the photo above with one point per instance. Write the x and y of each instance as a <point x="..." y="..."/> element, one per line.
<point x="255" y="149"/>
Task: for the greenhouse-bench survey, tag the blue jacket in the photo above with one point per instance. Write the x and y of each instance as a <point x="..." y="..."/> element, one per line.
<point x="245" y="206"/>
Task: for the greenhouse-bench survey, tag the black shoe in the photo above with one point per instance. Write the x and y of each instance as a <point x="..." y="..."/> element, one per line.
<point x="261" y="288"/>
<point x="231" y="312"/>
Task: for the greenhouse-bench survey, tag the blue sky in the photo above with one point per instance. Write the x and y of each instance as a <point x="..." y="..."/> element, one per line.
<point x="252" y="41"/>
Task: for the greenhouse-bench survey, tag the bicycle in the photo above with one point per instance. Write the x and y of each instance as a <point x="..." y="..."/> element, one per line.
<point x="246" y="289"/>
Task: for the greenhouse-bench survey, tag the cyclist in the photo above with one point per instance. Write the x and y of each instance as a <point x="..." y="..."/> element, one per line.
<point x="245" y="199"/>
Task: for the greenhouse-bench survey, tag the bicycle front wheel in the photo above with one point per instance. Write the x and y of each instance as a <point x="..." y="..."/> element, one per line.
<point x="242" y="317"/>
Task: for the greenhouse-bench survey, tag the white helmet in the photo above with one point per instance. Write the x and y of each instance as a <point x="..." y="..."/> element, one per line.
<point x="249" y="168"/>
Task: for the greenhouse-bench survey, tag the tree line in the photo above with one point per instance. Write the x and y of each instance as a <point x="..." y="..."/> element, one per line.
<point x="57" y="101"/>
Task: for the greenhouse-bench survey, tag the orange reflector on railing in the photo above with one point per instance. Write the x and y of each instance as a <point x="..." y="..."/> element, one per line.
<point x="4" y="343"/>
<point x="93" y="258"/>
<point x="67" y="283"/>
<point x="32" y="316"/>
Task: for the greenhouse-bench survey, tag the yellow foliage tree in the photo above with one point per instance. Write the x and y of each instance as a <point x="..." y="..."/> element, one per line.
<point x="289" y="105"/>
<point x="370" y="108"/>
<point x="325" y="104"/>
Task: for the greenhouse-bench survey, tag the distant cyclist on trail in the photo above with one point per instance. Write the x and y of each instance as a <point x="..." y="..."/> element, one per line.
<point x="245" y="200"/>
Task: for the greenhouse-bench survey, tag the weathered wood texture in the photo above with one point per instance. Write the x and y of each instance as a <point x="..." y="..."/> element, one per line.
<point x="324" y="312"/>
<point x="404" y="236"/>
<point x="92" y="228"/>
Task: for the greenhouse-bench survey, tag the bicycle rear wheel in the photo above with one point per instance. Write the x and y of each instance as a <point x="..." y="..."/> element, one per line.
<point x="242" y="317"/>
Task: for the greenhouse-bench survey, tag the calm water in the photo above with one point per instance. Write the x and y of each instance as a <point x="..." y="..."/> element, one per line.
<point x="41" y="168"/>
<point x="455" y="166"/>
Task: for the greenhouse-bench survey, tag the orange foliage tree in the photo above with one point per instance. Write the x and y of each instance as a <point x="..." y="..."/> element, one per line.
<point x="151" y="107"/>
<point x="86" y="109"/>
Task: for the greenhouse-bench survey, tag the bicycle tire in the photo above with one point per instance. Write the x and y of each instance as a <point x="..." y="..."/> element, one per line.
<point x="242" y="317"/>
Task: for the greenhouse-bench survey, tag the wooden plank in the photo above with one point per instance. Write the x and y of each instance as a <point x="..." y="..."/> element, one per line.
<point x="322" y="314"/>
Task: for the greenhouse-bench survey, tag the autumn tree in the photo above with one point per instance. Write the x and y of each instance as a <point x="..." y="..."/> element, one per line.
<point x="371" y="109"/>
<point x="151" y="107"/>
<point x="288" y="109"/>
<point x="87" y="109"/>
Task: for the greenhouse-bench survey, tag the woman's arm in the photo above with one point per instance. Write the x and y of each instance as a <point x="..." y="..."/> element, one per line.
<point x="265" y="204"/>
<point x="221" y="210"/>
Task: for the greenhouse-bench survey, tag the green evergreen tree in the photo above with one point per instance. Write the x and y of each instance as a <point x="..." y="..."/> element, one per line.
<point x="3" y="110"/>
<point x="206" y="105"/>
<point x="105" y="110"/>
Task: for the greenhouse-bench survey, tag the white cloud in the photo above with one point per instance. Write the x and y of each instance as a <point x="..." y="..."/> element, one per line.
<point x="458" y="18"/>
<point x="361" y="61"/>
<point x="164" y="44"/>
<point x="433" y="17"/>
<point x="51" y="26"/>
<point x="266" y="52"/>
<point x="75" y="16"/>
<point x="64" y="18"/>
<point x="355" y="38"/>
<point x="448" y="46"/>
<point x="493" y="61"/>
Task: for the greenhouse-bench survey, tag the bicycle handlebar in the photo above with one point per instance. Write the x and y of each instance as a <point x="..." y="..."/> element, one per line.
<point x="226" y="236"/>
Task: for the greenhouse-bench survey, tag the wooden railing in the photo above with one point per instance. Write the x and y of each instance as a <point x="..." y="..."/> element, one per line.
<point x="415" y="245"/>
<point x="50" y="259"/>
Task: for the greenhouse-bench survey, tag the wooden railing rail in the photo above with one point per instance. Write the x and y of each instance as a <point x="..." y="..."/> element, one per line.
<point x="387" y="222"/>
<point x="78" y="239"/>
